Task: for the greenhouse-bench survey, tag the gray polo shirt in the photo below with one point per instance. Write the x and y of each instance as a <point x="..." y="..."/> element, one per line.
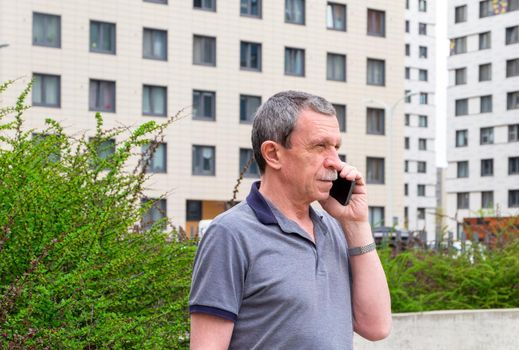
<point x="259" y="269"/>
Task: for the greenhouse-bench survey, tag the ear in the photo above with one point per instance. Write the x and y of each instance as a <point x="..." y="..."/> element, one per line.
<point x="270" y="151"/>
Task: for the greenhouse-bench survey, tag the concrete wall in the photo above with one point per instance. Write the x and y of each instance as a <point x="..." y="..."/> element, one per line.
<point x="455" y="330"/>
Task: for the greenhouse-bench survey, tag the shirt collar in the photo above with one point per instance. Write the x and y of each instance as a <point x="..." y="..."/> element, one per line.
<point x="264" y="213"/>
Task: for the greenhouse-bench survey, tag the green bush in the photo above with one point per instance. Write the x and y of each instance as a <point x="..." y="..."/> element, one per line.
<point x="421" y="280"/>
<point x="77" y="268"/>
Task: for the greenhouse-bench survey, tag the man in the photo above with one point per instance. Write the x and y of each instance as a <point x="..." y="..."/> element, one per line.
<point x="272" y="273"/>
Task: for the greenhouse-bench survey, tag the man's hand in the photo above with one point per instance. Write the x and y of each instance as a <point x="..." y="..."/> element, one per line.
<point x="357" y="208"/>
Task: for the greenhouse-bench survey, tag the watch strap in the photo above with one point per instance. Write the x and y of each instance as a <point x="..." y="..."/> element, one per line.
<point x="362" y="250"/>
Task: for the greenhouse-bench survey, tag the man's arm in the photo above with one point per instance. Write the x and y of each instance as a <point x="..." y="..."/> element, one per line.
<point x="210" y="332"/>
<point x="370" y="292"/>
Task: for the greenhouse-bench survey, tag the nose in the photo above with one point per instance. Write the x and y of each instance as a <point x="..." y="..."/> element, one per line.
<point x="332" y="160"/>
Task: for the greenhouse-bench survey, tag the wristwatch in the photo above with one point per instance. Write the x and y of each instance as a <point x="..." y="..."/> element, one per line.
<point x="362" y="250"/>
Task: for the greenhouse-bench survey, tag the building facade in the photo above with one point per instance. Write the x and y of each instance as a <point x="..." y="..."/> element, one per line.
<point x="216" y="61"/>
<point x="483" y="111"/>
<point x="420" y="118"/>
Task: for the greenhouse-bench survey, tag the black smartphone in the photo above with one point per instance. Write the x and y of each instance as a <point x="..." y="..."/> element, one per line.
<point x="342" y="189"/>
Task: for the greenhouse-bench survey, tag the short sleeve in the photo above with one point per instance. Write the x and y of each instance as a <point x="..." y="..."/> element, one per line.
<point x="218" y="274"/>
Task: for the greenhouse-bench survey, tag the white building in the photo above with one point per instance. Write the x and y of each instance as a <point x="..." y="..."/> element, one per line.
<point x="483" y="110"/>
<point x="144" y="60"/>
<point x="420" y="118"/>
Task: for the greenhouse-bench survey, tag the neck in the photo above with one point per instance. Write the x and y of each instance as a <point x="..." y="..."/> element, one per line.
<point x="285" y="201"/>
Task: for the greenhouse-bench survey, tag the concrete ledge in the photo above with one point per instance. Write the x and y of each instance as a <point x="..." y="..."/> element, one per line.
<point x="496" y="329"/>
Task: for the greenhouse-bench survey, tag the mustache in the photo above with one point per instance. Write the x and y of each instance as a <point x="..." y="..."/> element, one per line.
<point x="330" y="175"/>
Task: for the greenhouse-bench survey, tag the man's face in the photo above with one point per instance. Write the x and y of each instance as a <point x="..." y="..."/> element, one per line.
<point x="311" y="163"/>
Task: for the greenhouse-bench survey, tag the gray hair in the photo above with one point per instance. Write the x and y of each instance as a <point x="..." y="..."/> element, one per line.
<point x="276" y="118"/>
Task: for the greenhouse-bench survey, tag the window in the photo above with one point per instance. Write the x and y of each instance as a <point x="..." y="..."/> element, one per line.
<point x="513" y="198"/>
<point x="46" y="90"/>
<point x="155" y="213"/>
<point x="105" y="149"/>
<point x="512" y="68"/>
<point x="485" y="104"/>
<point x="422" y="52"/>
<point x="485" y="9"/>
<point x="406" y="166"/>
<point x="295" y="11"/>
<point x="376" y="23"/>
<point x="422" y="28"/>
<point x="336" y="16"/>
<point x="421" y="167"/>
<point x="340" y="111"/>
<point x="487" y="167"/>
<point x="46" y="30"/>
<point x="204" y="160"/>
<point x="513" y="165"/>
<point x="512" y="100"/>
<point x="102" y="37"/>
<point x="193" y="210"/>
<point x="420" y="190"/>
<point x="406" y="189"/>
<point x="406" y="143"/>
<point x="484" y="40"/>
<point x="250" y="8"/>
<point x="422" y="75"/>
<point x="375" y="123"/>
<point x="460" y="14"/>
<point x="376" y="216"/>
<point x="424" y="98"/>
<point x="485" y="72"/>
<point x="376" y="72"/>
<point x="420" y="213"/>
<point x="336" y="67"/>
<point x="513" y="133"/>
<point x="154" y="100"/>
<point x="157" y="1"/>
<point x="208" y="5"/>
<point x="204" y="50"/>
<point x="462" y="107"/>
<point x="458" y="45"/>
<point x="422" y="121"/>
<point x="462" y="138"/>
<point x="462" y="169"/>
<point x="375" y="170"/>
<point x="407" y="25"/>
<point x="155" y="157"/>
<point x="248" y="107"/>
<point x="487" y="199"/>
<point x="407" y="119"/>
<point x="422" y="144"/>
<point x="407" y="73"/>
<point x="407" y="50"/>
<point x="486" y="136"/>
<point x="250" y="56"/>
<point x="407" y="4"/>
<point x="407" y="94"/>
<point x="155" y="44"/>
<point x="462" y="200"/>
<point x="204" y="105"/>
<point x="246" y="156"/>
<point x="460" y="76"/>
<point x="422" y="5"/>
<point x="512" y="35"/>
<point x="102" y="95"/>
<point x="294" y="61"/>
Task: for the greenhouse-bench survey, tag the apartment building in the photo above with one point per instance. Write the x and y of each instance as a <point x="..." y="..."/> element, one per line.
<point x="419" y="118"/>
<point x="143" y="60"/>
<point x="483" y="110"/>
